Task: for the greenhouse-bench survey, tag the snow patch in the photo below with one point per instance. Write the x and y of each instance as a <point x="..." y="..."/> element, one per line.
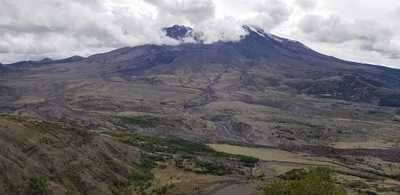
<point x="276" y="38"/>
<point x="258" y="31"/>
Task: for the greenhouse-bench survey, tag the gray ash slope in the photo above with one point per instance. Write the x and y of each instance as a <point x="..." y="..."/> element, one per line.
<point x="293" y="64"/>
<point x="262" y="89"/>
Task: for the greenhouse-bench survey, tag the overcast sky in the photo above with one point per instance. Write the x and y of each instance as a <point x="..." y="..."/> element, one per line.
<point x="358" y="30"/>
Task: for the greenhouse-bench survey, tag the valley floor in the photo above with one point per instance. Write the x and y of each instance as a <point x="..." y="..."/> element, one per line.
<point x="360" y="176"/>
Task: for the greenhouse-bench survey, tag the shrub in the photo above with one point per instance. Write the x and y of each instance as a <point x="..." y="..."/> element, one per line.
<point x="319" y="181"/>
<point x="214" y="168"/>
<point x="248" y="160"/>
<point x="37" y="186"/>
<point x="120" y="188"/>
<point x="294" y="174"/>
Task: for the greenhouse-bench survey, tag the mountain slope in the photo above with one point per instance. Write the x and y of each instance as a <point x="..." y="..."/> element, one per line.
<point x="61" y="158"/>
<point x="292" y="63"/>
<point x="40" y="157"/>
<point x="262" y="90"/>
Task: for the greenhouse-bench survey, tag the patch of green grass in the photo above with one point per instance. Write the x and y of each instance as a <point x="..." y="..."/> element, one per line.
<point x="157" y="149"/>
<point x="162" y="145"/>
<point x="319" y="181"/>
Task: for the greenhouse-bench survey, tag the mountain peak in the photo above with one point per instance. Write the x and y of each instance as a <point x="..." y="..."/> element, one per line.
<point x="184" y="33"/>
<point x="254" y="29"/>
<point x="259" y="32"/>
<point x="178" y="32"/>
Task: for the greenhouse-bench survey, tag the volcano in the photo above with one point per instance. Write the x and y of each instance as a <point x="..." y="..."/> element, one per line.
<point x="262" y="89"/>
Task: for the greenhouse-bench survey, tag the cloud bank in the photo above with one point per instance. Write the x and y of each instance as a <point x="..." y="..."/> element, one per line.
<point x="55" y="28"/>
<point x="367" y="35"/>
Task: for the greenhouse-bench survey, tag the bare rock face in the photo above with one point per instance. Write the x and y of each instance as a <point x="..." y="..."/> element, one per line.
<point x="182" y="33"/>
<point x="178" y="32"/>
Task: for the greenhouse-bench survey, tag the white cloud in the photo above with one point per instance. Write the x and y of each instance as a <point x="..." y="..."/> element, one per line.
<point x="269" y="14"/>
<point x="306" y="4"/>
<point x="334" y="29"/>
<point x="365" y="29"/>
<point x="192" y="11"/>
<point x="226" y="29"/>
